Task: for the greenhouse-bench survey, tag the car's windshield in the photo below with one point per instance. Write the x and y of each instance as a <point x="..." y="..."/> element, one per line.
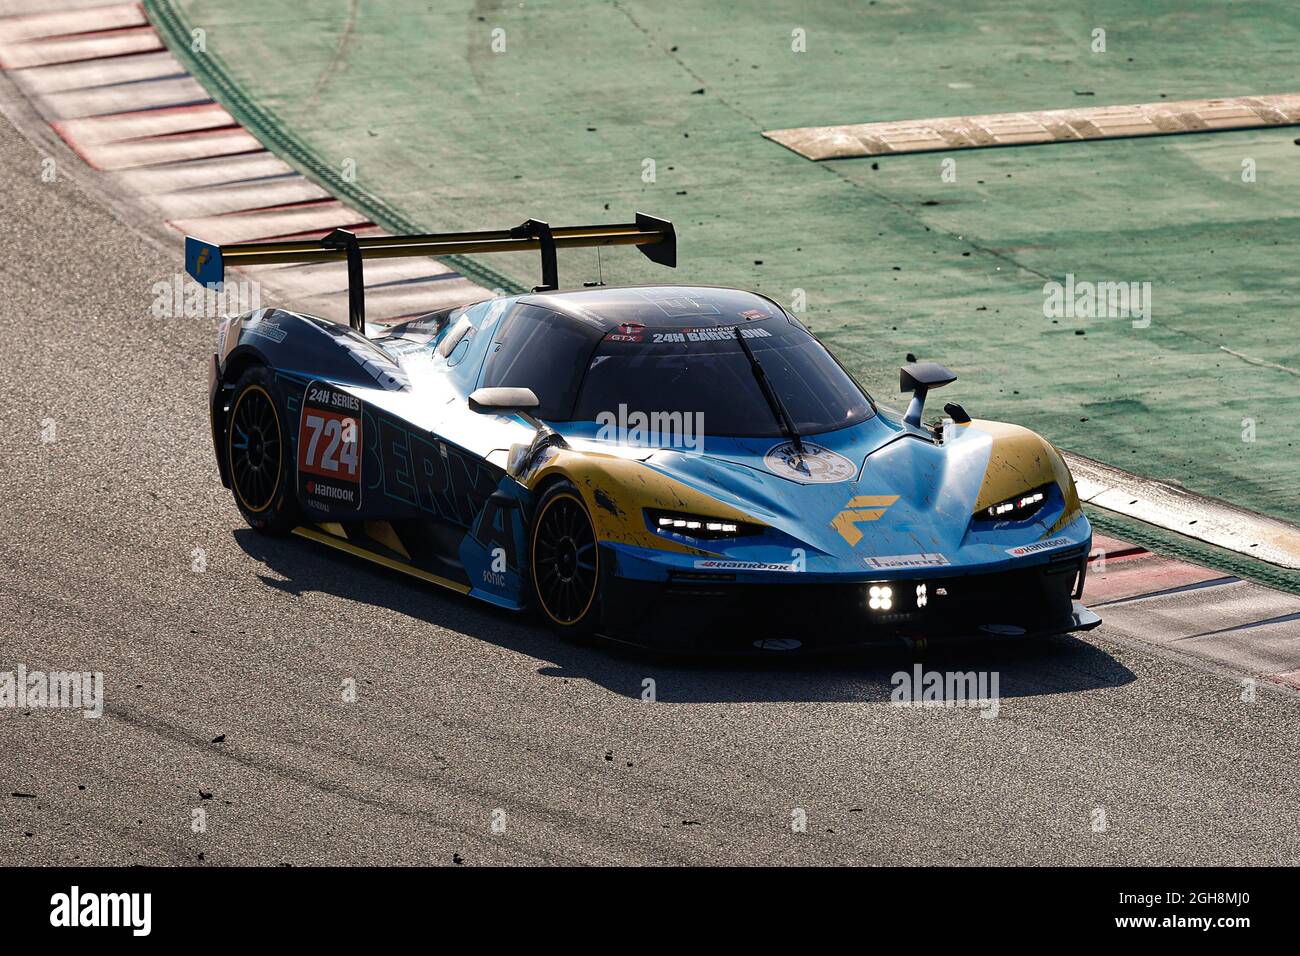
<point x="539" y="349"/>
<point x="705" y="370"/>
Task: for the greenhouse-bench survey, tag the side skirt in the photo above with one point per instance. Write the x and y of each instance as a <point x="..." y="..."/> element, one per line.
<point x="343" y="544"/>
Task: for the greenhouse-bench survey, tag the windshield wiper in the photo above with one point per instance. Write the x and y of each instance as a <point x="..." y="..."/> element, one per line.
<point x="773" y="400"/>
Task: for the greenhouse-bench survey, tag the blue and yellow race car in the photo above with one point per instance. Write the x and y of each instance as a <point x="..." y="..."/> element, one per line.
<point x="678" y="466"/>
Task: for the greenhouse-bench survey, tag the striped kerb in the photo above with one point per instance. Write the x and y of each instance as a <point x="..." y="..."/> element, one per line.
<point x="99" y="74"/>
<point x="1049" y="126"/>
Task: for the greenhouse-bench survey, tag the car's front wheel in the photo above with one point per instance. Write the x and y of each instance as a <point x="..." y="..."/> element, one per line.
<point x="565" y="561"/>
<point x="257" y="450"/>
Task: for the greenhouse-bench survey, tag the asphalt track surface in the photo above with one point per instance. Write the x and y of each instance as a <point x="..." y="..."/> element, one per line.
<point x="465" y="715"/>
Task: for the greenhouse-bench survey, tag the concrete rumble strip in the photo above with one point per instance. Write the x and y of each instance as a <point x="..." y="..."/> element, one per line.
<point x="1038" y="127"/>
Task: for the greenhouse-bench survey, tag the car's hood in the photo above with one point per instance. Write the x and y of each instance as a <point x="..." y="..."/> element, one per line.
<point x="877" y="495"/>
<point x="875" y="489"/>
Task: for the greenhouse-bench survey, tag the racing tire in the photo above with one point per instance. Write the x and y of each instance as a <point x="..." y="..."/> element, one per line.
<point x="564" y="562"/>
<point x="258" y="454"/>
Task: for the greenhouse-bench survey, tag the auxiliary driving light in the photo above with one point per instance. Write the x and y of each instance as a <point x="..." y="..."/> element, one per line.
<point x="880" y="597"/>
<point x="922" y="599"/>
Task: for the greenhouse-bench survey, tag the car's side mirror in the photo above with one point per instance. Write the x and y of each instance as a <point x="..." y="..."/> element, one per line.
<point x="503" y="399"/>
<point x="521" y="401"/>
<point x="918" y="378"/>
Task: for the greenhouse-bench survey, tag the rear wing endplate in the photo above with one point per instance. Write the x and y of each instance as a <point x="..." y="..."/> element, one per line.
<point x="207" y="261"/>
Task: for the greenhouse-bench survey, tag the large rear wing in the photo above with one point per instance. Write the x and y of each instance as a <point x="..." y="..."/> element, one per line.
<point x="207" y="261"/>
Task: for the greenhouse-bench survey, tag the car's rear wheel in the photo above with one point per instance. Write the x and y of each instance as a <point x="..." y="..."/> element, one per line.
<point x="257" y="450"/>
<point x="565" y="561"/>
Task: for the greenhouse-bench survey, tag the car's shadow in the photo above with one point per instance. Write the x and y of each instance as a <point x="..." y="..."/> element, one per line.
<point x="1025" y="669"/>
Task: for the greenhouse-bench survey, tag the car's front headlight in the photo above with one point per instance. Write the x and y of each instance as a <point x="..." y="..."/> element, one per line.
<point x="697" y="526"/>
<point x="1019" y="508"/>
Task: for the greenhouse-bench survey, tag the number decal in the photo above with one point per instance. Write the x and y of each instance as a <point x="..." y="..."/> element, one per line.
<point x="329" y="450"/>
<point x="340" y="454"/>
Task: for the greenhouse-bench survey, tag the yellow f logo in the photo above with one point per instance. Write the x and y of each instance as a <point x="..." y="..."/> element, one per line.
<point x="203" y="257"/>
<point x="861" y="508"/>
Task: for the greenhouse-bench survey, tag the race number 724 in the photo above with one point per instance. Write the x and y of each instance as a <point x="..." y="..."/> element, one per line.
<point x="331" y="448"/>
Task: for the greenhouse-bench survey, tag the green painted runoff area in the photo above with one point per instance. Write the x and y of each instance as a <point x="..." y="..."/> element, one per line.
<point x="455" y="115"/>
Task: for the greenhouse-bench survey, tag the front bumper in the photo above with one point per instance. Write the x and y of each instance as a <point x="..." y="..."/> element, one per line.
<point x="710" y="613"/>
